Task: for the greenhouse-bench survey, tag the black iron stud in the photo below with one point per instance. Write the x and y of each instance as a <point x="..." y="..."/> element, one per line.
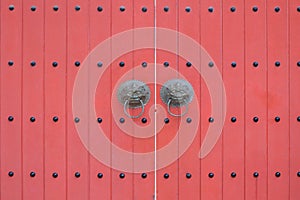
<point x="33" y="63"/>
<point x="144" y="120"/>
<point x="298" y="9"/>
<point x="255" y="119"/>
<point x="122" y="175"/>
<point x="10" y="63"/>
<point x="277" y="63"/>
<point x="210" y="64"/>
<point x="100" y="175"/>
<point x="76" y="120"/>
<point x="188" y="120"/>
<point x="11" y="174"/>
<point x="122" y="8"/>
<point x="32" y="174"/>
<point x="211" y="9"/>
<point x="11" y="7"/>
<point x="233" y="174"/>
<point x="277" y="119"/>
<point x="166" y="175"/>
<point x="255" y="8"/>
<point x="144" y="175"/>
<point x="211" y="120"/>
<point x="122" y="120"/>
<point x="255" y="174"/>
<point x="144" y="9"/>
<point x="55" y="119"/>
<point x="233" y="119"/>
<point x="77" y="8"/>
<point x="54" y="64"/>
<point x="277" y="9"/>
<point x="298" y="63"/>
<point x="77" y="174"/>
<point x="188" y="175"/>
<point x="298" y="174"/>
<point x="233" y="64"/>
<point x="99" y="64"/>
<point x="10" y="118"/>
<point x="55" y="8"/>
<point x="298" y="118"/>
<point x="187" y="9"/>
<point x="277" y="174"/>
<point x="144" y="64"/>
<point x="32" y="119"/>
<point x="211" y="175"/>
<point x="232" y="9"/>
<point x="255" y="64"/>
<point x="122" y="64"/>
<point x="77" y="63"/>
<point x="33" y="8"/>
<point x="166" y="64"/>
<point x="188" y="64"/>
<point x="166" y="120"/>
<point x="54" y="175"/>
<point x="99" y="120"/>
<point x="166" y="8"/>
<point x="100" y="9"/>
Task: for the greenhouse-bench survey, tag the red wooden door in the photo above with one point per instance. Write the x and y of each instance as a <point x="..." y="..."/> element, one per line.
<point x="149" y="100"/>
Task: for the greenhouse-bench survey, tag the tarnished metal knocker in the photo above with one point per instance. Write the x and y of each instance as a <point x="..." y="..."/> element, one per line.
<point x="177" y="93"/>
<point x="133" y="94"/>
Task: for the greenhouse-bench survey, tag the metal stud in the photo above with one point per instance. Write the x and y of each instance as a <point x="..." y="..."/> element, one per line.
<point x="188" y="120"/>
<point x="166" y="175"/>
<point x="33" y="8"/>
<point x="211" y="120"/>
<point x="233" y="174"/>
<point x="255" y="174"/>
<point x="277" y="119"/>
<point x="255" y="64"/>
<point x="99" y="64"/>
<point x="55" y="175"/>
<point x="99" y="120"/>
<point x="255" y="119"/>
<point x="188" y="64"/>
<point x="233" y="119"/>
<point x="54" y="64"/>
<point x="277" y="9"/>
<point x="144" y="120"/>
<point x="298" y="118"/>
<point x="188" y="9"/>
<point x="76" y="120"/>
<point x="32" y="119"/>
<point x="11" y="174"/>
<point x="144" y="9"/>
<point x="232" y="9"/>
<point x="122" y="8"/>
<point x="211" y="9"/>
<point x="166" y="64"/>
<point x="122" y="120"/>
<point x="10" y="118"/>
<point x="122" y="175"/>
<point x="32" y="174"/>
<point x="122" y="64"/>
<point x="55" y="8"/>
<point x="298" y="9"/>
<point x="233" y="64"/>
<point x="211" y="175"/>
<point x="11" y="7"/>
<point x="77" y="63"/>
<point x="144" y="64"/>
<point x="210" y="64"/>
<point x="277" y="63"/>
<point x="255" y="8"/>
<point x="144" y="175"/>
<point x="166" y="120"/>
<point x="100" y="175"/>
<point x="298" y="174"/>
<point x="32" y="63"/>
<point x="55" y="119"/>
<point x="77" y="174"/>
<point x="277" y="174"/>
<point x="77" y="8"/>
<point x="166" y="8"/>
<point x="10" y="63"/>
<point x="188" y="175"/>
<point x="298" y="63"/>
<point x="100" y="9"/>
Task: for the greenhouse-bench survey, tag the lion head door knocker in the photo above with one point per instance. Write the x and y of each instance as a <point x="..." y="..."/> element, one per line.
<point x="177" y="93"/>
<point x="133" y="94"/>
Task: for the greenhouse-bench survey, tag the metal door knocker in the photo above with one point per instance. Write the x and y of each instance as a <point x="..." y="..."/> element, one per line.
<point x="133" y="94"/>
<point x="177" y="93"/>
